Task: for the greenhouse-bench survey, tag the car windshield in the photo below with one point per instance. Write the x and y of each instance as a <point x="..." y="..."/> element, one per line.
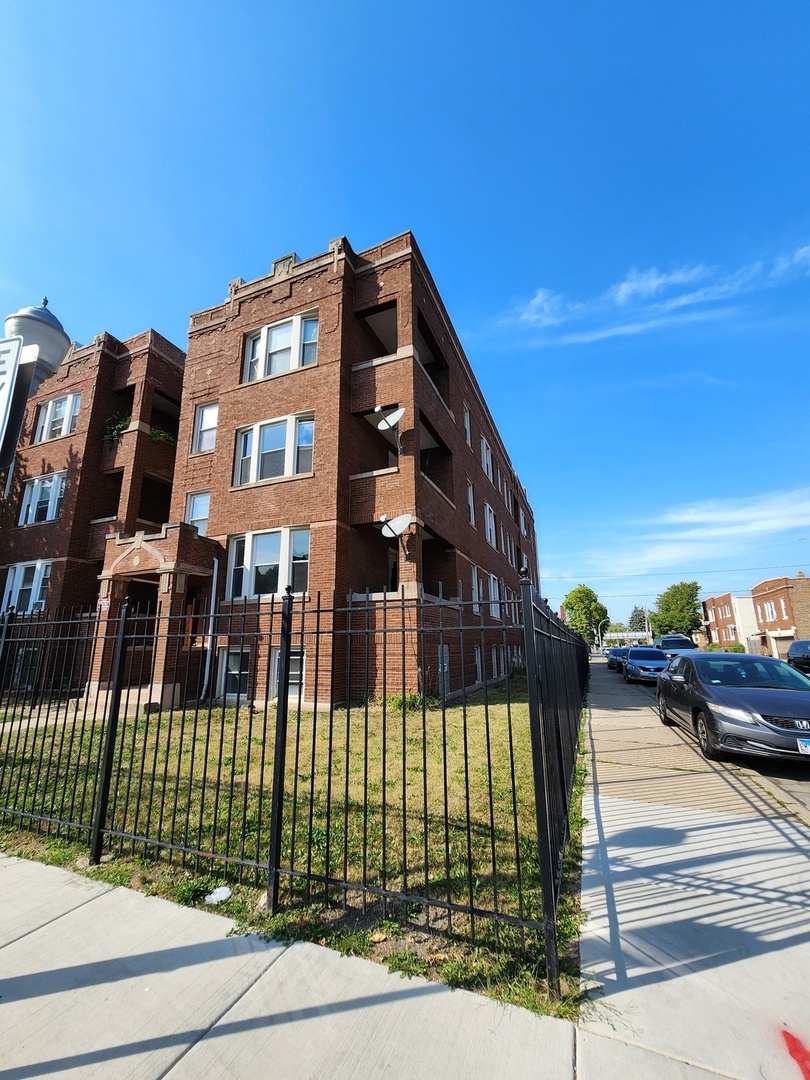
<point x="646" y="654"/>
<point x="677" y="643"/>
<point x="750" y="671"/>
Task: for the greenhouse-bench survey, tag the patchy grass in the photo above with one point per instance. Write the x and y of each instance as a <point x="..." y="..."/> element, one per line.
<point x="403" y="795"/>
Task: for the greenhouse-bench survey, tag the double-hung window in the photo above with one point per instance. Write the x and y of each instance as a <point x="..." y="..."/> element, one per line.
<point x="490" y="530"/>
<point x="523" y="527"/>
<point x="27" y="586"/>
<point x="471" y="502"/>
<point x="57" y="417"/>
<point x="198" y="504"/>
<point x="486" y="457"/>
<point x="265" y="563"/>
<point x="277" y="448"/>
<point x="42" y="498"/>
<point x="205" y="427"/>
<point x="770" y="611"/>
<point x="494" y="596"/>
<point x="467" y="427"/>
<point x="281" y="347"/>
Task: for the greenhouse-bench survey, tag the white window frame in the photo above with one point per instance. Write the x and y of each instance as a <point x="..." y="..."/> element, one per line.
<point x="193" y="517"/>
<point x="45" y="418"/>
<point x="486" y="457"/>
<point x="303" y="348"/>
<point x="247" y="566"/>
<point x="250" y="463"/>
<point x="784" y="607"/>
<point x="476" y="589"/>
<point x="32" y="500"/>
<point x="37" y="586"/>
<point x="490" y="526"/>
<point x="471" y="503"/>
<point x="494" y="596"/>
<point x="523" y="527"/>
<point x="770" y="611"/>
<point x="205" y="431"/>
<point x="467" y="427"/>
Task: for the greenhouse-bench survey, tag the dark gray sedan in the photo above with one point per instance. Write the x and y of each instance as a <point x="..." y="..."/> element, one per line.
<point x="738" y="703"/>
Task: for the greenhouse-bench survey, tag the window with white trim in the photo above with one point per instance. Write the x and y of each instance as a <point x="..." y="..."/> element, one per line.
<point x="476" y="589"/>
<point x="783" y="605"/>
<point x="470" y="502"/>
<point x="770" y="611"/>
<point x="205" y="428"/>
<point x="277" y="448"/>
<point x="759" y="613"/>
<point x="281" y="347"/>
<point x="494" y="597"/>
<point x="198" y="504"/>
<point x="467" y="427"/>
<point x="523" y="528"/>
<point x="490" y="528"/>
<point x="265" y="563"/>
<point x="27" y="586"/>
<point x="486" y="457"/>
<point x="42" y="498"/>
<point x="57" y="417"/>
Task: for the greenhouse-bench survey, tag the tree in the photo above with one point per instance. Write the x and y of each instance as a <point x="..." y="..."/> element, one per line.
<point x="678" y="610"/>
<point x="638" y="620"/>
<point x="583" y="612"/>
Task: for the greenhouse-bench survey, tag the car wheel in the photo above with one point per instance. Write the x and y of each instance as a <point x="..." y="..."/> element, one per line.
<point x="663" y="715"/>
<point x="704" y="738"/>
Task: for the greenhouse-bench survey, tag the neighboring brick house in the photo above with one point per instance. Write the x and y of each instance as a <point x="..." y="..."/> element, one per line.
<point x="316" y="401"/>
<point x="95" y="455"/>
<point x="729" y="619"/>
<point x="782" y="607"/>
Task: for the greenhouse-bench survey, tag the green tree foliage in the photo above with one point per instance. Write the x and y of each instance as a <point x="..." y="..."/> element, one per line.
<point x="583" y="612"/>
<point x="638" y="620"/>
<point x="678" y="610"/>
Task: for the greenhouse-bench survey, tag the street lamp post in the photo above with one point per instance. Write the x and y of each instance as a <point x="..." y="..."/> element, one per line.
<point x="599" y="631"/>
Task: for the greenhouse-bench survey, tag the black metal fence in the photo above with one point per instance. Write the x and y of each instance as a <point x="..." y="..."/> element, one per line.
<point x="374" y="751"/>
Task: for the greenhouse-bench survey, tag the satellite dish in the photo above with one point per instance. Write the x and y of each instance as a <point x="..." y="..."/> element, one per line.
<point x="396" y="526"/>
<point x="388" y="422"/>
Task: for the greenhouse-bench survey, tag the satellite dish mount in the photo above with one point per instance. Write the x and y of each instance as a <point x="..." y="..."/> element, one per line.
<point x="394" y="530"/>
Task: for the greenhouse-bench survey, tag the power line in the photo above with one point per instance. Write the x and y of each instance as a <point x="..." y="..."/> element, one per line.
<point x="669" y="573"/>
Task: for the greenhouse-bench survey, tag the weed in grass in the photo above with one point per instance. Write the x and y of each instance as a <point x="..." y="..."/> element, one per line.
<point x="111" y="874"/>
<point x="190" y="890"/>
<point x="406" y="963"/>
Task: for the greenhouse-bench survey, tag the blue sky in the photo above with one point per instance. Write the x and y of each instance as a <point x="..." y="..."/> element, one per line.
<point x="614" y="201"/>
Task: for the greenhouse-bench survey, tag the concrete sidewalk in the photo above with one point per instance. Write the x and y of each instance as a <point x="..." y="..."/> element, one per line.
<point x="696" y="884"/>
<point x="97" y="981"/>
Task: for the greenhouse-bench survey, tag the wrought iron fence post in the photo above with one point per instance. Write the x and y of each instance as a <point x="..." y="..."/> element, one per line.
<point x="110" y="734"/>
<point x="6" y="622"/>
<point x="540" y="792"/>
<point x="279" y="758"/>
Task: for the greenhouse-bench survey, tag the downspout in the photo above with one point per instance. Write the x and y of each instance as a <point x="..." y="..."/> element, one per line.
<point x="210" y="646"/>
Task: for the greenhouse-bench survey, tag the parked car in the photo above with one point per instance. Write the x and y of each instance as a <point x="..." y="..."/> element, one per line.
<point x="643" y="663"/>
<point x="674" y="644"/>
<point x="738" y="703"/>
<point x="616" y="657"/>
<point x="799" y="655"/>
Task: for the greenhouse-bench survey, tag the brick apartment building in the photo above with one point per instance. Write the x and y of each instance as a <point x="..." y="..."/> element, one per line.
<point x="316" y="402"/>
<point x="782" y="607"/>
<point x="729" y="619"/>
<point x="95" y="454"/>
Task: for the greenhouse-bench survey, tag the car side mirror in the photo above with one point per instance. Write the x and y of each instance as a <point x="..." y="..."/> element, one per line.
<point x="678" y="678"/>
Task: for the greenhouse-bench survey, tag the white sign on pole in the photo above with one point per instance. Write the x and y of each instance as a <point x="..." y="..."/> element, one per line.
<point x="10" y="349"/>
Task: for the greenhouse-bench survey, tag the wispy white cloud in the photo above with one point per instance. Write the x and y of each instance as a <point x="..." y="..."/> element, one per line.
<point x="650" y="300"/>
<point x="712" y="541"/>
